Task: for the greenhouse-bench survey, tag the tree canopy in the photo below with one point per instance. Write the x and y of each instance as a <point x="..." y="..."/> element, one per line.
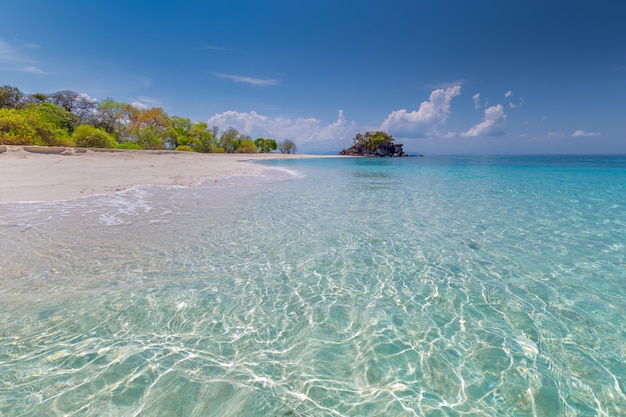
<point x="10" y="97"/>
<point x="287" y="146"/>
<point x="266" y="145"/>
<point x="67" y="118"/>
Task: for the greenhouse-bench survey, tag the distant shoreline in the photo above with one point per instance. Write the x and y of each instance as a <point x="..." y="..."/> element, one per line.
<point x="33" y="173"/>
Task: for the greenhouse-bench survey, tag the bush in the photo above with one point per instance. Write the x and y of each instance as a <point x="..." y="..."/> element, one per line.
<point x="128" y="145"/>
<point x="91" y="137"/>
<point x="23" y="127"/>
<point x="184" y="148"/>
<point x="55" y="115"/>
<point x="246" y="146"/>
<point x="148" y="138"/>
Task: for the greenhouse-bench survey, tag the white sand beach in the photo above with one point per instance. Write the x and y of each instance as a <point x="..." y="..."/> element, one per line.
<point x="31" y="173"/>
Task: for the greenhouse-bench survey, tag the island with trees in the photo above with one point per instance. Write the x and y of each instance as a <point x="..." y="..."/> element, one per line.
<point x="66" y="118"/>
<point x="374" y="144"/>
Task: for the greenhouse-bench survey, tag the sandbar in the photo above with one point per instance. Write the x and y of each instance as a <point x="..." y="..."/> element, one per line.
<point x="31" y="173"/>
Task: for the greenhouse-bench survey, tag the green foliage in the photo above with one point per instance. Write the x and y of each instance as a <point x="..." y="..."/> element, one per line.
<point x="246" y="146"/>
<point x="24" y="127"/>
<point x="230" y="140"/>
<point x="55" y="115"/>
<point x="148" y="138"/>
<point x="178" y="132"/>
<point x="266" y="145"/>
<point x="287" y="146"/>
<point x="10" y="97"/>
<point x="37" y="98"/>
<point x="108" y="116"/>
<point x="128" y="145"/>
<point x="66" y="118"/>
<point x="183" y="148"/>
<point x="369" y="143"/>
<point x="16" y="128"/>
<point x="91" y="137"/>
<point x="204" y="140"/>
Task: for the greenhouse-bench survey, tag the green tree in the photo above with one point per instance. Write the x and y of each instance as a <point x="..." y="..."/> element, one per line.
<point x="57" y="116"/>
<point x="231" y="140"/>
<point x="92" y="137"/>
<point x="37" y="98"/>
<point x="246" y="146"/>
<point x="10" y="97"/>
<point x="178" y="132"/>
<point x="109" y="116"/>
<point x="369" y="143"/>
<point x="266" y="145"/>
<point x="204" y="139"/>
<point x="149" y="137"/>
<point x="287" y="146"/>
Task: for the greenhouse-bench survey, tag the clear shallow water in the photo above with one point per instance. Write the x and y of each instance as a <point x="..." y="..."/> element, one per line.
<point x="419" y="286"/>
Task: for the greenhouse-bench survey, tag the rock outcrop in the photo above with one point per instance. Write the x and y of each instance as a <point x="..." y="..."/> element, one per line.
<point x="379" y="149"/>
<point x="377" y="143"/>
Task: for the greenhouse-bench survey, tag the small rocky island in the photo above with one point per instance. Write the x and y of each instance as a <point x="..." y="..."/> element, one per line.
<point x="377" y="144"/>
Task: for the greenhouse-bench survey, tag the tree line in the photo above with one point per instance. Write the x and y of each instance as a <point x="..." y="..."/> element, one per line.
<point x="67" y="118"/>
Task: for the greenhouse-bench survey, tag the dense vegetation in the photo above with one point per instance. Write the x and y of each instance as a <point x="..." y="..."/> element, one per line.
<point x="66" y="118"/>
<point x="377" y="143"/>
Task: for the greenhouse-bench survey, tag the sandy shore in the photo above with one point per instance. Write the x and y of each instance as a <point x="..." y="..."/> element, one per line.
<point x="30" y="173"/>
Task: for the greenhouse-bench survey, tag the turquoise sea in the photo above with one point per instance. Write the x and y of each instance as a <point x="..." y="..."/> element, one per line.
<point x="436" y="286"/>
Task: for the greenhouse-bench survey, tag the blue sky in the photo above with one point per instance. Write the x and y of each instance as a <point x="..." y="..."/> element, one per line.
<point x="443" y="77"/>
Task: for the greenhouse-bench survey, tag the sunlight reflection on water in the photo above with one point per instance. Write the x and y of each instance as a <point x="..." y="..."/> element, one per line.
<point x="361" y="288"/>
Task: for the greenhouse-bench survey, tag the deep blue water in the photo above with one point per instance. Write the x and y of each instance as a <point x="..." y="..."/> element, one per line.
<point x="436" y="286"/>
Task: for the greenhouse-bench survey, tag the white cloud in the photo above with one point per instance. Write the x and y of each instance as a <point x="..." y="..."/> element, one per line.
<point x="580" y="133"/>
<point x="15" y="60"/>
<point x="514" y="105"/>
<point x="508" y="94"/>
<point x="248" y="80"/>
<point x="139" y="105"/>
<point x="86" y="98"/>
<point x="492" y="124"/>
<point x="33" y="69"/>
<point x="476" y="98"/>
<point x="299" y="130"/>
<point x="144" y="103"/>
<point x="9" y="54"/>
<point x="418" y="122"/>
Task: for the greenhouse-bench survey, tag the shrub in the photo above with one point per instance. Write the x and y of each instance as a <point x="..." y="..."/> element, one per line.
<point x="148" y="138"/>
<point x="184" y="148"/>
<point x="128" y="145"/>
<point x="246" y="146"/>
<point x="23" y="127"/>
<point x="91" y="137"/>
<point x="55" y="115"/>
